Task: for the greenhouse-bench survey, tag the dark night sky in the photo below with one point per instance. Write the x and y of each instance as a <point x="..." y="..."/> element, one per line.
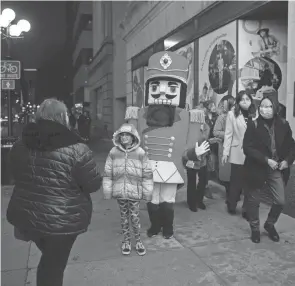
<point x="48" y="31"/>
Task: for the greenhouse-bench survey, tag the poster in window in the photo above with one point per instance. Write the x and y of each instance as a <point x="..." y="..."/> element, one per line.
<point x="188" y="53"/>
<point x="138" y="87"/>
<point x="217" y="65"/>
<point x="263" y="58"/>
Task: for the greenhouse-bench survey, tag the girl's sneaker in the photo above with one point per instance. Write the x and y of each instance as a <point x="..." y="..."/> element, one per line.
<point x="140" y="249"/>
<point x="126" y="248"/>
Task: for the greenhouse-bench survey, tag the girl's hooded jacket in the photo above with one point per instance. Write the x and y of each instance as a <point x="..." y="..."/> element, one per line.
<point x="128" y="173"/>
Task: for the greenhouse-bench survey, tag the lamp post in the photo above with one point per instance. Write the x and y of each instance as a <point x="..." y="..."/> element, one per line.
<point x="10" y="31"/>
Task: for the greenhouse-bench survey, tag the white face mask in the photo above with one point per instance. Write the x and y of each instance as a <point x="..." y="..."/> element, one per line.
<point x="266" y="109"/>
<point x="245" y="104"/>
<point x="266" y="113"/>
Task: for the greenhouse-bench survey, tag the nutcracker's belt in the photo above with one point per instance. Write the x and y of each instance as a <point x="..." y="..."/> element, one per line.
<point x="166" y="172"/>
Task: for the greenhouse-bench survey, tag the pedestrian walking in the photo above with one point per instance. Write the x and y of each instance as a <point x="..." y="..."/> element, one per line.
<point x="128" y="178"/>
<point x="270" y="151"/>
<point x="219" y="132"/>
<point x="211" y="116"/>
<point x="72" y="120"/>
<point x="196" y="170"/>
<point x="236" y="124"/>
<point x="83" y="125"/>
<point x="195" y="162"/>
<point x="54" y="173"/>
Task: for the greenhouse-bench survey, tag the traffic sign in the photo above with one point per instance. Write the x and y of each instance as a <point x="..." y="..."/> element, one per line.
<point x="8" y="84"/>
<point x="10" y="69"/>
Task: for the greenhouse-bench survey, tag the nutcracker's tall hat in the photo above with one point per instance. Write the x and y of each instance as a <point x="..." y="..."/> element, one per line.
<point x="168" y="66"/>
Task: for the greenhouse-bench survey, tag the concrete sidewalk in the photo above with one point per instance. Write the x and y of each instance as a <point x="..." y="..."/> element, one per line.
<point x="210" y="248"/>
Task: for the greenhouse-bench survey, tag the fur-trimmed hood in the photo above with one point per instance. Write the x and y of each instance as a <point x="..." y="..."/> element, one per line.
<point x="127" y="128"/>
<point x="47" y="135"/>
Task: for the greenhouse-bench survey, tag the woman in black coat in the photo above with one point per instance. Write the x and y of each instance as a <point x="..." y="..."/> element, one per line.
<point x="54" y="174"/>
<point x="270" y="151"/>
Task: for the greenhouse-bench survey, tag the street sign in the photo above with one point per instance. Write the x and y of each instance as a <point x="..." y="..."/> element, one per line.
<point x="10" y="70"/>
<point x="8" y="84"/>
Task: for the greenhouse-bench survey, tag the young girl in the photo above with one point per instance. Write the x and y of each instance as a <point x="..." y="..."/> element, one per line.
<point x="128" y="177"/>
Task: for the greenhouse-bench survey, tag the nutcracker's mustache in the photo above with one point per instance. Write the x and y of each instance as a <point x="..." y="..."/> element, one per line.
<point x="167" y="101"/>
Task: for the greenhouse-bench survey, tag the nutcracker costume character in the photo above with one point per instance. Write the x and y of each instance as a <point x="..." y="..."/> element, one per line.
<point x="167" y="129"/>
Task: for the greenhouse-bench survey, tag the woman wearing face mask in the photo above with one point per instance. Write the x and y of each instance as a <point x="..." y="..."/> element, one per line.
<point x="270" y="150"/>
<point x="218" y="132"/>
<point x="236" y="124"/>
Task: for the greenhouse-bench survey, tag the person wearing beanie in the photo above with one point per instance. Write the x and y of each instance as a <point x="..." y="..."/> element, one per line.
<point x="270" y="151"/>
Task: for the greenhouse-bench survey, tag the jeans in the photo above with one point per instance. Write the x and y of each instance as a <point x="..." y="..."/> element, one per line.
<point x="55" y="254"/>
<point x="275" y="185"/>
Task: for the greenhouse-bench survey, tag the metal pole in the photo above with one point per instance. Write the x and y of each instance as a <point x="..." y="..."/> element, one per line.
<point x="10" y="119"/>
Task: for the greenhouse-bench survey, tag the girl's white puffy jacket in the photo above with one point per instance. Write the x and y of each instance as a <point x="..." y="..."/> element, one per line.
<point x="128" y="173"/>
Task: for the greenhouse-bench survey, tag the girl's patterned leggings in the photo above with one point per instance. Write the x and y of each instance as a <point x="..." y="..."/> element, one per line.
<point x="130" y="210"/>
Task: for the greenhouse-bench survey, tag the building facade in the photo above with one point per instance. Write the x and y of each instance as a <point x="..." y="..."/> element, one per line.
<point x="107" y="70"/>
<point x="82" y="50"/>
<point x="223" y="41"/>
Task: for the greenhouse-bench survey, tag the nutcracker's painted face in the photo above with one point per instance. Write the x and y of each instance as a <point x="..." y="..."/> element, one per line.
<point x="165" y="91"/>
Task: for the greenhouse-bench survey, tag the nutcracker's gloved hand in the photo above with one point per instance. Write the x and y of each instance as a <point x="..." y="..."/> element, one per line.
<point x="202" y="149"/>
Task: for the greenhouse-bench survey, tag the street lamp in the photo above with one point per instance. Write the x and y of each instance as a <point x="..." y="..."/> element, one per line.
<point x="10" y="31"/>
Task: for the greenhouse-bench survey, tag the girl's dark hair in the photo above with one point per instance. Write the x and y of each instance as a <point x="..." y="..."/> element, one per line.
<point x="230" y="103"/>
<point x="237" y="110"/>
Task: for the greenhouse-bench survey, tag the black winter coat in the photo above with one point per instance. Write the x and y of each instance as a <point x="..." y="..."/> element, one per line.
<point x="54" y="174"/>
<point x="257" y="148"/>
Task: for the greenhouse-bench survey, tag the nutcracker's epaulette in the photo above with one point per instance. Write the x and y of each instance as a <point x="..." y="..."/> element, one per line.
<point x="197" y="116"/>
<point x="131" y="112"/>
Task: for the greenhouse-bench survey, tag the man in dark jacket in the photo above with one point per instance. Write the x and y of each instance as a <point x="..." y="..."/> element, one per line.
<point x="270" y="151"/>
<point x="54" y="174"/>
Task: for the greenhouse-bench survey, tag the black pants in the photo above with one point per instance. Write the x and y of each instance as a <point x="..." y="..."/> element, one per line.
<point x="55" y="254"/>
<point x="226" y="186"/>
<point x="195" y="194"/>
<point x="236" y="186"/>
<point x="275" y="186"/>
